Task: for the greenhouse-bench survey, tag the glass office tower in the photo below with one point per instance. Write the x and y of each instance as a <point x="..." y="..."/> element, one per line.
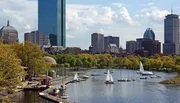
<point x="52" y="19"/>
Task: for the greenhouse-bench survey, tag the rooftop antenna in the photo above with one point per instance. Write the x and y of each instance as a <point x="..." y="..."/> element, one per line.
<point x="8" y="23"/>
<point x="171" y="9"/>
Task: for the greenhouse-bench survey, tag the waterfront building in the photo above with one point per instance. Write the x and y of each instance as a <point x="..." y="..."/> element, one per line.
<point x="9" y="34"/>
<point x="171" y="35"/>
<point x="131" y="47"/>
<point x="97" y="43"/>
<point x="152" y="46"/>
<point x="149" y="34"/>
<point x="112" y="48"/>
<point x="36" y="37"/>
<point x="52" y="18"/>
<point x="110" y="40"/>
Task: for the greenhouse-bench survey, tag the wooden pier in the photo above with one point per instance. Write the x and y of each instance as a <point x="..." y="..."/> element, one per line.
<point x="45" y="94"/>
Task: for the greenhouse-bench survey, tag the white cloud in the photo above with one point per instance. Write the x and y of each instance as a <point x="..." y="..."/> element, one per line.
<point x="157" y="15"/>
<point x="123" y="15"/>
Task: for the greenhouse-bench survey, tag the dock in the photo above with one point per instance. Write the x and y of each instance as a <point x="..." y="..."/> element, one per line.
<point x="61" y="81"/>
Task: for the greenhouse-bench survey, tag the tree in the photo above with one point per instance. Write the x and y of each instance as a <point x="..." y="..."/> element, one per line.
<point x="38" y="66"/>
<point x="79" y="62"/>
<point x="10" y="67"/>
<point x="30" y="55"/>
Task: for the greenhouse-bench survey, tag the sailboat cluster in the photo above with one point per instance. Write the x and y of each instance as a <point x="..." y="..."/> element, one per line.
<point x="144" y="75"/>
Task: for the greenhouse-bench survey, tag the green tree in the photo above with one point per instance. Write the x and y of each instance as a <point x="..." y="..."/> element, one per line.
<point x="79" y="63"/>
<point x="28" y="52"/>
<point x="10" y="67"/>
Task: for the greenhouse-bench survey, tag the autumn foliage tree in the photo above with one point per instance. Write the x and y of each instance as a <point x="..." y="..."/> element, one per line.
<point x="11" y="71"/>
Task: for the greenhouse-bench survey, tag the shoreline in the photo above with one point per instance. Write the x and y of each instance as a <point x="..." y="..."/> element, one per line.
<point x="175" y="80"/>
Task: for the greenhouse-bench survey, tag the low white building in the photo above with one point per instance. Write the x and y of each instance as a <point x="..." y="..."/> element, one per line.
<point x="112" y="48"/>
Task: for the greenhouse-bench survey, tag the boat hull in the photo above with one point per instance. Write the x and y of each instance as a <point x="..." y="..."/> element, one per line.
<point x="121" y="80"/>
<point x="143" y="77"/>
<point x="108" y="82"/>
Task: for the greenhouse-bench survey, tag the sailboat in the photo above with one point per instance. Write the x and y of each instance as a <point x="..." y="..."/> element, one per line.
<point x="76" y="79"/>
<point x="109" y="78"/>
<point x="142" y="72"/>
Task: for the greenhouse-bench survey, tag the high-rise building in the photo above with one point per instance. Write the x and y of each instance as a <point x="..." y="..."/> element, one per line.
<point x="110" y="40"/>
<point x="149" y="34"/>
<point x="97" y="43"/>
<point x="36" y="37"/>
<point x="131" y="47"/>
<point x="139" y="42"/>
<point x="52" y="18"/>
<point x="53" y="39"/>
<point x="171" y="35"/>
<point x="152" y="46"/>
<point x="9" y="34"/>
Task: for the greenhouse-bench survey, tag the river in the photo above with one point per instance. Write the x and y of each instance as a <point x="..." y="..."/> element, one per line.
<point x="140" y="91"/>
<point x="95" y="91"/>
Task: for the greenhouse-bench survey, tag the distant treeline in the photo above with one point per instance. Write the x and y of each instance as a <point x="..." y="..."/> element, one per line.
<point x="157" y="62"/>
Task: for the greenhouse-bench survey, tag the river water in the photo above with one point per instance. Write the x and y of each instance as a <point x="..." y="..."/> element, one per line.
<point x="141" y="91"/>
<point x="95" y="91"/>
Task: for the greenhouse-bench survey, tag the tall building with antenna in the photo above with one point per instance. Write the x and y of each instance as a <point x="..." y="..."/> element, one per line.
<point x="52" y="19"/>
<point x="171" y="34"/>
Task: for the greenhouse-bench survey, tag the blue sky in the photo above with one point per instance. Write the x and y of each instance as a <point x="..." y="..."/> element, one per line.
<point x="127" y="19"/>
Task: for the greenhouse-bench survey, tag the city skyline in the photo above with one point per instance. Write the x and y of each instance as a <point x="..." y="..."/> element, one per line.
<point x="116" y="18"/>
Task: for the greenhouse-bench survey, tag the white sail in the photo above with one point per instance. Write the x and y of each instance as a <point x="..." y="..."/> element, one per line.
<point x="108" y="76"/>
<point x="76" y="76"/>
<point x="141" y="67"/>
<point x="112" y="80"/>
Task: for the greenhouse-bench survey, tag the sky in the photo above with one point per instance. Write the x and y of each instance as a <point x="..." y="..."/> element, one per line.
<point x="127" y="19"/>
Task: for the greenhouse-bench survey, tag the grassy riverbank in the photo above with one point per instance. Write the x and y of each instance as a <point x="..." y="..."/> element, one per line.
<point x="175" y="80"/>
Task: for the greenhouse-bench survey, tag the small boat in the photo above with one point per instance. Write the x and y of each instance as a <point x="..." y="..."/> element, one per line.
<point x="64" y="96"/>
<point x="82" y="79"/>
<point x="109" y="78"/>
<point x="122" y="80"/>
<point x="128" y="80"/>
<point x="95" y="75"/>
<point x="142" y="72"/>
<point x="55" y="92"/>
<point x="85" y="77"/>
<point x="133" y="79"/>
<point x="63" y="93"/>
<point x="155" y="76"/>
<point x="143" y="77"/>
<point x="110" y="72"/>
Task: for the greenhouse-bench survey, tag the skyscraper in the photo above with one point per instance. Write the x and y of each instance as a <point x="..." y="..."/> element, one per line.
<point x="52" y="18"/>
<point x="110" y="40"/>
<point x="97" y="43"/>
<point x="171" y="35"/>
<point x="149" y="34"/>
<point x="152" y="46"/>
<point x="131" y="47"/>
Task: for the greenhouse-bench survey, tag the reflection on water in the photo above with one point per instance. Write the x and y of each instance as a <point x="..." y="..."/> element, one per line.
<point x="141" y="91"/>
<point x="30" y="97"/>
